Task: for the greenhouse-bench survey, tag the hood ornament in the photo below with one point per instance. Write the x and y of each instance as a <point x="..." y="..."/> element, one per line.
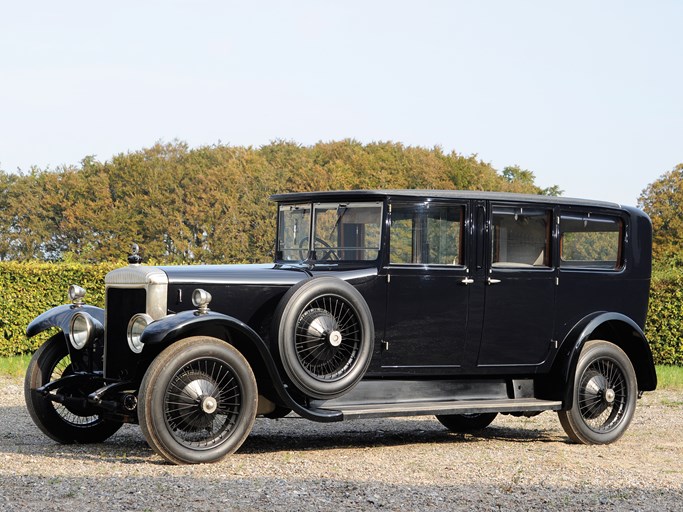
<point x="135" y="258"/>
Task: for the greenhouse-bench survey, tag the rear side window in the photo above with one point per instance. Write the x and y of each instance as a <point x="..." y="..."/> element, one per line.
<point x="520" y="237"/>
<point x="591" y="241"/>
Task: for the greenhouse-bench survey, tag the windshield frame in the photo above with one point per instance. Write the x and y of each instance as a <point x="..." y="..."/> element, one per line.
<point x="317" y="249"/>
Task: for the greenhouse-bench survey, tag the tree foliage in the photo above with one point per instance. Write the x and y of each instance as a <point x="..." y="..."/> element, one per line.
<point x="209" y="204"/>
<point x="662" y="200"/>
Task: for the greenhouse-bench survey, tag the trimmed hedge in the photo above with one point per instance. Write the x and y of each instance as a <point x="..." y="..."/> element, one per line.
<point x="28" y="289"/>
<point x="664" y="326"/>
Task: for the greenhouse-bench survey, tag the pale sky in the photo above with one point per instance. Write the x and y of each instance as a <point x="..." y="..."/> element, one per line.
<point x="586" y="94"/>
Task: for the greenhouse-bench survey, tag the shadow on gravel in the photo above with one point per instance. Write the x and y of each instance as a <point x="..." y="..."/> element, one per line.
<point x="394" y="432"/>
<point x="20" y="435"/>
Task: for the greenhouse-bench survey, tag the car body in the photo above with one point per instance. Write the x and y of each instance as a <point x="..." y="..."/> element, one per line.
<point x="378" y="303"/>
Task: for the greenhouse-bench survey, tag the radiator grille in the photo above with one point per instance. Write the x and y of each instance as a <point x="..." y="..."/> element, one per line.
<point x="122" y="303"/>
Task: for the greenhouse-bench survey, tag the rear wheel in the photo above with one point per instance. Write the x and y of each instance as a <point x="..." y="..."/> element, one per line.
<point x="63" y="423"/>
<point x="466" y="422"/>
<point x="605" y="390"/>
<point x="198" y="401"/>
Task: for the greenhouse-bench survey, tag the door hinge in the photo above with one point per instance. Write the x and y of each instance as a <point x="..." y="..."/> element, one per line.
<point x="388" y="278"/>
<point x="385" y="345"/>
<point x="557" y="281"/>
<point x="554" y="343"/>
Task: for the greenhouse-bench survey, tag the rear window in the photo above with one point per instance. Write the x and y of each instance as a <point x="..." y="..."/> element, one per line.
<point x="591" y="241"/>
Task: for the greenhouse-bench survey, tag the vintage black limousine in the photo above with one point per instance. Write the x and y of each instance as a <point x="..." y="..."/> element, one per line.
<point x="457" y="304"/>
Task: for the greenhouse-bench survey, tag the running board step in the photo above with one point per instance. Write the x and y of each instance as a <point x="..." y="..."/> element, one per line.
<point x="356" y="411"/>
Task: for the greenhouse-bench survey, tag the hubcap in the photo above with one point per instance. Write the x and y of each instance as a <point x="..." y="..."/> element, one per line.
<point x="209" y="404"/>
<point x="335" y="338"/>
<point x="609" y="396"/>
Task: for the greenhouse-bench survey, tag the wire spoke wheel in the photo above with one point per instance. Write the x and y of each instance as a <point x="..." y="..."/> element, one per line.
<point x="324" y="335"/>
<point x="605" y="390"/>
<point x="602" y="395"/>
<point x="203" y="403"/>
<point x="327" y="337"/>
<point x="74" y="423"/>
<point x="198" y="401"/>
<point x="62" y="368"/>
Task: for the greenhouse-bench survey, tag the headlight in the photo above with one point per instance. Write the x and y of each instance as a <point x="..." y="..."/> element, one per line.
<point x="81" y="330"/>
<point x="136" y="325"/>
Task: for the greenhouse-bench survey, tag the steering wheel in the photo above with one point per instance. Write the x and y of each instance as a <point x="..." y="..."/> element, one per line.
<point x="331" y="254"/>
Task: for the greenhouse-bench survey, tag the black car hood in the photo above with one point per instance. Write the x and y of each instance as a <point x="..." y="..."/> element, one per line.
<point x="257" y="274"/>
<point x="236" y="274"/>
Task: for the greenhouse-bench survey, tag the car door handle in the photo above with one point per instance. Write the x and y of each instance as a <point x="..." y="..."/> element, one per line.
<point x="491" y="281"/>
<point x="467" y="281"/>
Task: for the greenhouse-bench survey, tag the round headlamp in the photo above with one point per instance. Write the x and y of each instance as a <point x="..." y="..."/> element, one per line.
<point x="81" y="330"/>
<point x="136" y="325"/>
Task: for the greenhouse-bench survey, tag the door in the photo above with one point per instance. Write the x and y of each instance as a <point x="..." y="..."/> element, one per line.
<point x="520" y="282"/>
<point x="427" y="287"/>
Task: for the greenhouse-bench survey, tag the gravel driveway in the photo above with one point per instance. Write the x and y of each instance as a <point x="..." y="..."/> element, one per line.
<point x="394" y="464"/>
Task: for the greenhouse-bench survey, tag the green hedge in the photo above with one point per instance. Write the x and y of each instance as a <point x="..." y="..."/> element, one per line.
<point x="28" y="289"/>
<point x="664" y="326"/>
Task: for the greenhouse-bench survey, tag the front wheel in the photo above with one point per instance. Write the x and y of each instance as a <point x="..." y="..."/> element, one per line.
<point x="463" y="423"/>
<point x="63" y="423"/>
<point x="605" y="390"/>
<point x="198" y="401"/>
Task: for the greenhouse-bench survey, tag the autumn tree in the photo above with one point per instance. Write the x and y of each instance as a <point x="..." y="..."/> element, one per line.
<point x="210" y="204"/>
<point x="662" y="200"/>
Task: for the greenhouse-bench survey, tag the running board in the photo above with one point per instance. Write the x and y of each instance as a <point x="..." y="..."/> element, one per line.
<point x="385" y="410"/>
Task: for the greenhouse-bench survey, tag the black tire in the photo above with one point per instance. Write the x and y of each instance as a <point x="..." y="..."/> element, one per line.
<point x="463" y="423"/>
<point x="197" y="401"/>
<point x="605" y="390"/>
<point x="324" y="335"/>
<point x="50" y="362"/>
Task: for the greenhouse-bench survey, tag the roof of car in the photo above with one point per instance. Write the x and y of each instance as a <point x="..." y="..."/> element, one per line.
<point x="438" y="194"/>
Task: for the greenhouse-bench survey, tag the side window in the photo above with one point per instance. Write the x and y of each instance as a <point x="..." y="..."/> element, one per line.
<point x="520" y="237"/>
<point x="426" y="233"/>
<point x="591" y="241"/>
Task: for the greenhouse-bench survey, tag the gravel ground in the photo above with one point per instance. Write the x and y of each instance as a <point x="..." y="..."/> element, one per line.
<point x="393" y="464"/>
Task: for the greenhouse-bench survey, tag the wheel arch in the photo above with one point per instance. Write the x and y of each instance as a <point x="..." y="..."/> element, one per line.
<point x="616" y="328"/>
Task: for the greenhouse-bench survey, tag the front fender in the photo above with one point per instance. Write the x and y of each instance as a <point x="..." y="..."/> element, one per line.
<point x="188" y="323"/>
<point x="60" y="317"/>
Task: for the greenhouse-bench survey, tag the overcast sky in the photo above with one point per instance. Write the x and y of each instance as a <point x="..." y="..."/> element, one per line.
<point x="588" y="95"/>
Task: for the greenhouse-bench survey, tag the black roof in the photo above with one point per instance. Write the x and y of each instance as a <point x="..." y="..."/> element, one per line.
<point x="439" y="194"/>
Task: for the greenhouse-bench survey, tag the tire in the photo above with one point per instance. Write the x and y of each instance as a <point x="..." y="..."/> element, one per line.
<point x="324" y="335"/>
<point x="605" y="389"/>
<point x="197" y="401"/>
<point x="462" y="423"/>
<point x="59" y="422"/>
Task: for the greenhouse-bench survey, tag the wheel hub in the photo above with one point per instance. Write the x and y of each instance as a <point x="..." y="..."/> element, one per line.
<point x="609" y="396"/>
<point x="209" y="404"/>
<point x="334" y="338"/>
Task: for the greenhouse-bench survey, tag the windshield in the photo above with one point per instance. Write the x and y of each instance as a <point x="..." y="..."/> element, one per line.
<point x="343" y="232"/>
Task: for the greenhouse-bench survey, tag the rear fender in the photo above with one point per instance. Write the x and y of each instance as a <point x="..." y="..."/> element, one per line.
<point x="613" y="327"/>
<point x="167" y="330"/>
